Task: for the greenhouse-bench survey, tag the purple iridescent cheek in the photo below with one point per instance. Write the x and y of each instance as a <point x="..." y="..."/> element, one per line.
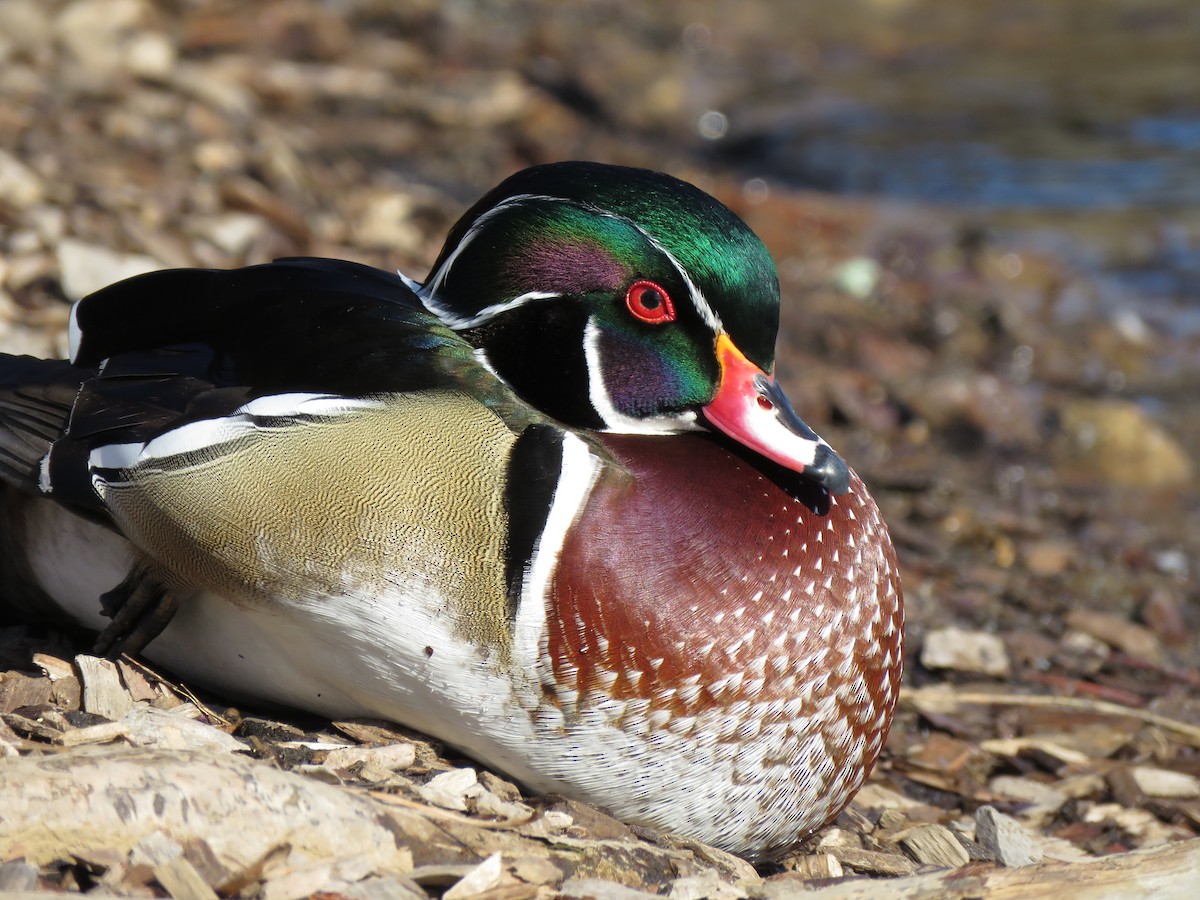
<point x="567" y="268"/>
<point x="638" y="376"/>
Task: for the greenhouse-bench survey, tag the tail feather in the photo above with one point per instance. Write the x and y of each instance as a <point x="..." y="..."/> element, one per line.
<point x="36" y="396"/>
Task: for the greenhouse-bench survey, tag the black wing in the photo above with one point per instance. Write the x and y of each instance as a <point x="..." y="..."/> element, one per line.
<point x="163" y="349"/>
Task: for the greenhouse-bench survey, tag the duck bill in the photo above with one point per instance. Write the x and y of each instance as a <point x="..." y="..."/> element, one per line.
<point x="751" y="408"/>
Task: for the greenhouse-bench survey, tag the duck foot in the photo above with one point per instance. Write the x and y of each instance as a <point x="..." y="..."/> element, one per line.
<point x="140" y="608"/>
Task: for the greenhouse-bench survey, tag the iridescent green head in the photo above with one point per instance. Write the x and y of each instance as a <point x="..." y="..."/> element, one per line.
<point x="623" y="300"/>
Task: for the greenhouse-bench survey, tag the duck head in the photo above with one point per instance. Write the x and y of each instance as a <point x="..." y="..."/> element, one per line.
<point x="652" y="307"/>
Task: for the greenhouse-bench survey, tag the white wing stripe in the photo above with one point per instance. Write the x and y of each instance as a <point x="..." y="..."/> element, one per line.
<point x="196" y="436"/>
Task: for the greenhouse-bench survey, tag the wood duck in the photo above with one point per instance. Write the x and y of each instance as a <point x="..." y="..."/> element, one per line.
<point x="550" y="506"/>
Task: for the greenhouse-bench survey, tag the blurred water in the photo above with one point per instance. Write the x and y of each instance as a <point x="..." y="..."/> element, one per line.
<point x="1086" y="114"/>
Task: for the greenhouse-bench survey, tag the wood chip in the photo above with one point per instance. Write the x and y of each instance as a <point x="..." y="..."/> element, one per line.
<point x="874" y="862"/>
<point x="449" y="789"/>
<point x="180" y="879"/>
<point x="1018" y="746"/>
<point x="137" y="684"/>
<point x="92" y="734"/>
<point x="1129" y="637"/>
<point x="478" y="880"/>
<point x="1156" y="782"/>
<point x="935" y="845"/>
<point x="17" y="691"/>
<point x="384" y="888"/>
<point x="598" y="889"/>
<point x="391" y="757"/>
<point x="817" y="865"/>
<point x="103" y="692"/>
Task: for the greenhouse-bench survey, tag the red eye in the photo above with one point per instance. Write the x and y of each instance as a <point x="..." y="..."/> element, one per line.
<point x="650" y="303"/>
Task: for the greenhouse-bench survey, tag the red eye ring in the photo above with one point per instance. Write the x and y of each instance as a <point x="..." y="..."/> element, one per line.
<point x="649" y="303"/>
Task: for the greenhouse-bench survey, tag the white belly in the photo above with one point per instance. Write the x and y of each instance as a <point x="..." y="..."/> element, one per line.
<point x="397" y="658"/>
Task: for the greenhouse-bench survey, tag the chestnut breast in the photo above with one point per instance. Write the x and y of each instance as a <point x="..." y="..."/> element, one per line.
<point x="704" y="581"/>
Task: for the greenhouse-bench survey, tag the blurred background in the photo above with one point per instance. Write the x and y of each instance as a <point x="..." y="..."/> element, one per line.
<point x="986" y="218"/>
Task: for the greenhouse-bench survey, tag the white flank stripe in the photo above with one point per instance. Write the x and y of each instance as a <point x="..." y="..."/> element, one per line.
<point x="74" y="332"/>
<point x="575" y="480"/>
<point x="44" y="474"/>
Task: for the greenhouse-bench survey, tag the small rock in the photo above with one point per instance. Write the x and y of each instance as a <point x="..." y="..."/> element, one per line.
<point x="965" y="651"/>
<point x="1166" y="783"/>
<point x="704" y="886"/>
<point x="876" y="796"/>
<point x="1050" y="557"/>
<point x="234" y="233"/>
<point x="1164" y="613"/>
<point x="150" y="55"/>
<point x="1005" y="839"/>
<point x="1116" y="441"/>
<point x="18" y="876"/>
<point x="20" y="187"/>
<point x="290" y="882"/>
<point x="84" y="268"/>
<point x="147" y="726"/>
<point x="535" y="870"/>
<point x="935" y="845"/>
<point x="94" y="32"/>
<point x="382" y="888"/>
<point x="557" y="821"/>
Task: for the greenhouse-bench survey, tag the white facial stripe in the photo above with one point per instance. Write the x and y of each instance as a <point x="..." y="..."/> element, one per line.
<point x="411" y="284"/>
<point x="459" y="324"/>
<point x="428" y="292"/>
<point x="615" y="420"/>
<point x="707" y="313"/>
<point x="576" y="478"/>
<point x="196" y="436"/>
<point x="481" y="357"/>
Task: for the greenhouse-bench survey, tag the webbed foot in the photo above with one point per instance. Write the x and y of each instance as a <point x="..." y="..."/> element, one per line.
<point x="140" y="608"/>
